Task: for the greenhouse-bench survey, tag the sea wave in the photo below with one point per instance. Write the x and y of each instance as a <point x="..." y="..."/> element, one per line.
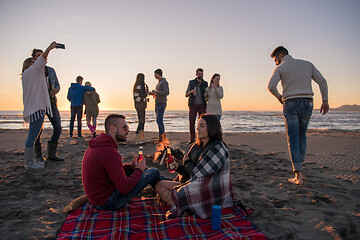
<point x="231" y="121"/>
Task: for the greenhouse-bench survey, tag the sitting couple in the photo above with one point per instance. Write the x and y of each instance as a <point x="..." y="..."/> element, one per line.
<point x="203" y="180"/>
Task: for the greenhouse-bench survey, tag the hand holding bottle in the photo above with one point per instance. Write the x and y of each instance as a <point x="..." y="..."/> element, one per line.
<point x="153" y="93"/>
<point x="140" y="164"/>
<point x="193" y="91"/>
<point x="139" y="160"/>
<point x="170" y="162"/>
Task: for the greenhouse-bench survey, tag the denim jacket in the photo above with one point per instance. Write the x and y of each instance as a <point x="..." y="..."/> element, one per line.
<point x="54" y="82"/>
<point x="52" y="77"/>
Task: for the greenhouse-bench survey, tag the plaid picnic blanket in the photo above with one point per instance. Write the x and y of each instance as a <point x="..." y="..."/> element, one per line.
<point x="142" y="218"/>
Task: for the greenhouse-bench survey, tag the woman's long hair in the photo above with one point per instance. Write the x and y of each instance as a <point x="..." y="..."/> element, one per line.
<point x="213" y="127"/>
<point x="140" y="80"/>
<point x="26" y="64"/>
<point x="213" y="77"/>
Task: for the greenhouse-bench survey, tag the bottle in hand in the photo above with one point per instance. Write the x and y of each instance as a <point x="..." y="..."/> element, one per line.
<point x="170" y="161"/>
<point x="141" y="156"/>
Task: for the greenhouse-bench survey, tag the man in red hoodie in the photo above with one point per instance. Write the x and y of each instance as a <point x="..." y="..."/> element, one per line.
<point x="107" y="182"/>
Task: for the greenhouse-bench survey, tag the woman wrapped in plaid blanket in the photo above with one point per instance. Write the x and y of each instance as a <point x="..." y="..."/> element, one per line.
<point x="204" y="175"/>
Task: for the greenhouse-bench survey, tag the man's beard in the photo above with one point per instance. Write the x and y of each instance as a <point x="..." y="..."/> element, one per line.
<point x="119" y="137"/>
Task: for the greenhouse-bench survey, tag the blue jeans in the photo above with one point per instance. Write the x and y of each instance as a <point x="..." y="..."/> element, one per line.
<point x="297" y="114"/>
<point x="117" y="200"/>
<point x="76" y="110"/>
<point x="55" y="122"/>
<point x="160" y="110"/>
<point x="34" y="130"/>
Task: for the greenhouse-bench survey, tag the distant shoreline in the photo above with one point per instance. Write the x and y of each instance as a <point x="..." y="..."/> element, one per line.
<point x="231" y="121"/>
<point x="344" y="108"/>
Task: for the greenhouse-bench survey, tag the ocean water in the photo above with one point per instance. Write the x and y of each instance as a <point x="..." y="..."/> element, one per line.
<point x="231" y="121"/>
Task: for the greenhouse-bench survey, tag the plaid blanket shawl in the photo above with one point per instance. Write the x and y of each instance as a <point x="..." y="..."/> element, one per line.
<point x="144" y="219"/>
<point x="209" y="185"/>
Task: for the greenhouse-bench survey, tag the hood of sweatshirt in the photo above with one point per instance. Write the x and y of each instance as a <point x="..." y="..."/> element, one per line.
<point x="75" y="85"/>
<point x="103" y="140"/>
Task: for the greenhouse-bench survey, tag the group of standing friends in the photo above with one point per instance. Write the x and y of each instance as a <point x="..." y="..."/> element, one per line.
<point x="40" y="86"/>
<point x="201" y="99"/>
<point x="203" y="178"/>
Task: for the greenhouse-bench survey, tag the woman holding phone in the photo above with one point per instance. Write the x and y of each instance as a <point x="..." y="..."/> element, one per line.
<point x="36" y="102"/>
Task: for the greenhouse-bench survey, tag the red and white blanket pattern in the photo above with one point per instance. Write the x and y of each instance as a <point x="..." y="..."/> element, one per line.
<point x="144" y="219"/>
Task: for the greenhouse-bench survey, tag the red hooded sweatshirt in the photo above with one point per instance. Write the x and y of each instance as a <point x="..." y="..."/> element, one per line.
<point x="103" y="171"/>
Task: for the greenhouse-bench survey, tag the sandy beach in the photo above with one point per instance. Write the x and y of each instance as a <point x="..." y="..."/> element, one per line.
<point x="327" y="206"/>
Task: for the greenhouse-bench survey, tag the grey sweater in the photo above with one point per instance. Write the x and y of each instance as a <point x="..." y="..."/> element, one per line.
<point x="162" y="89"/>
<point x="295" y="76"/>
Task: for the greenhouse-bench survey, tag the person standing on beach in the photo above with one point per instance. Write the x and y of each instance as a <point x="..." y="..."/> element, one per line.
<point x="297" y="100"/>
<point x="140" y="93"/>
<point x="196" y="100"/>
<point x="75" y="96"/>
<point x="36" y="102"/>
<point x="213" y="96"/>
<point x="160" y="93"/>
<point x="91" y="100"/>
<point x="55" y="120"/>
<point x="107" y="182"/>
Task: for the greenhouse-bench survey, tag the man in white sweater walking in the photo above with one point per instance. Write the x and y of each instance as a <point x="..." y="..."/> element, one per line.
<point x="297" y="100"/>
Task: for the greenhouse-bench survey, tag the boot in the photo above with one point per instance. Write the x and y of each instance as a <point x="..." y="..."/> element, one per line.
<point x="91" y="129"/>
<point x="93" y="133"/>
<point x="30" y="163"/>
<point x="137" y="137"/>
<point x="94" y="128"/>
<point x="142" y="135"/>
<point x="51" y="149"/>
<point x="38" y="154"/>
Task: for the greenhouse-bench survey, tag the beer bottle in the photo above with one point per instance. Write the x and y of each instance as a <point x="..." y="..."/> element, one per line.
<point x="170" y="161"/>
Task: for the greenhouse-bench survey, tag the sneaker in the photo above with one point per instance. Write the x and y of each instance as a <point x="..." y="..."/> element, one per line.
<point x="39" y="162"/>
<point x="34" y="166"/>
<point x="139" y="142"/>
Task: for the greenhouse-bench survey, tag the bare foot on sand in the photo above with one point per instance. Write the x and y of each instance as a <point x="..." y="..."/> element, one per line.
<point x="296" y="181"/>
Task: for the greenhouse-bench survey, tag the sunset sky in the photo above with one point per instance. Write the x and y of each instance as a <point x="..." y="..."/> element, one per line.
<point x="109" y="42"/>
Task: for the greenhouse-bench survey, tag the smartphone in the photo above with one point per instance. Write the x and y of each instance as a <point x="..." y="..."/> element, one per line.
<point x="60" y="45"/>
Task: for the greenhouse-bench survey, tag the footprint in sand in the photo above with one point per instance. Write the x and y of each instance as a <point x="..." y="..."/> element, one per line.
<point x="279" y="203"/>
<point x="323" y="199"/>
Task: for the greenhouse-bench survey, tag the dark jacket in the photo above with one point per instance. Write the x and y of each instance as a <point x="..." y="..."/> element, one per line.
<point x="50" y="74"/>
<point x="140" y="94"/>
<point x="192" y="158"/>
<point x="192" y="84"/>
<point x="76" y="92"/>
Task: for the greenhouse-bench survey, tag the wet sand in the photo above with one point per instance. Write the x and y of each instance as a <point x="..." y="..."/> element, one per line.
<point x="327" y="206"/>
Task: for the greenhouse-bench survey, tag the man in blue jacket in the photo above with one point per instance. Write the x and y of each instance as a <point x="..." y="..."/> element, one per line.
<point x="75" y="96"/>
